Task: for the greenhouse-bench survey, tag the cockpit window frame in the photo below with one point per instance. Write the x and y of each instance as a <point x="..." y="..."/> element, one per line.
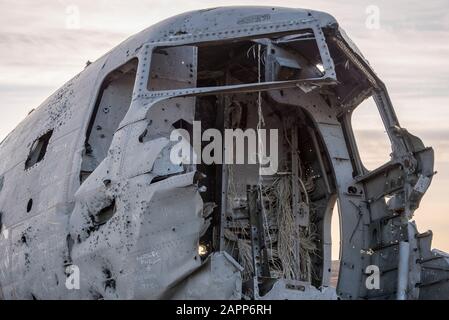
<point x="146" y="52"/>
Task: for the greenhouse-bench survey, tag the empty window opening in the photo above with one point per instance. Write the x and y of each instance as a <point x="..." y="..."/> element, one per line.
<point x="112" y="104"/>
<point x="373" y="143"/>
<point x="38" y="150"/>
<point x="287" y="222"/>
<point x="288" y="57"/>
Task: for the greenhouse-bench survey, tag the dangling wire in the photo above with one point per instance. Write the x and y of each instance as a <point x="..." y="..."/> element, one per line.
<point x="261" y="152"/>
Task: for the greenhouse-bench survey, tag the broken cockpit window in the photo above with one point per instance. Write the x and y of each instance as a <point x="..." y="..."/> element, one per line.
<point x="289" y="242"/>
<point x="282" y="58"/>
<point x="38" y="150"/>
<point x="113" y="102"/>
<point x="373" y="143"/>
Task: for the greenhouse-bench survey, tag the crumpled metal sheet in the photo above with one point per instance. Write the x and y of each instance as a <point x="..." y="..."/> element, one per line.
<point x="147" y="246"/>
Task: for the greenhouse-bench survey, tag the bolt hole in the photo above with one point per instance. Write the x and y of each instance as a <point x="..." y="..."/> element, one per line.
<point x="29" y="205"/>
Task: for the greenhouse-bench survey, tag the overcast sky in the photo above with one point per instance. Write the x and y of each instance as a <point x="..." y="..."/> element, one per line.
<point x="45" y="43"/>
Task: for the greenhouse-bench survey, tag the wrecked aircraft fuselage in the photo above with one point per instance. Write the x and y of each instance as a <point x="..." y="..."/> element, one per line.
<point x="88" y="190"/>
